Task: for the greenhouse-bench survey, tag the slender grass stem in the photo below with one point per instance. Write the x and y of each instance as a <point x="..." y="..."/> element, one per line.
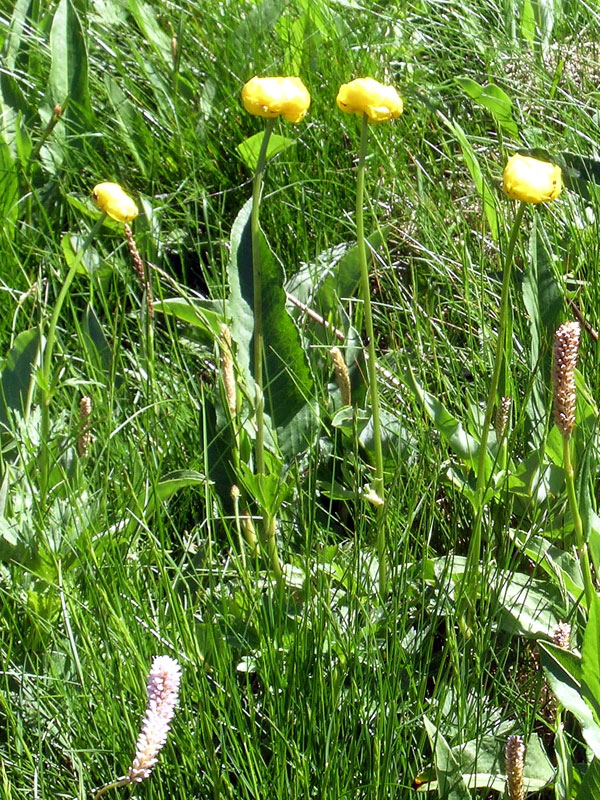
<point x="580" y="543"/>
<point x="268" y="522"/>
<point x="46" y="382"/>
<point x="378" y="483"/>
<point x="474" y="552"/>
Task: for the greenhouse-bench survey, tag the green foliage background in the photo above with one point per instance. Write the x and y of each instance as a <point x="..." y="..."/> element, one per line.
<point x="322" y="693"/>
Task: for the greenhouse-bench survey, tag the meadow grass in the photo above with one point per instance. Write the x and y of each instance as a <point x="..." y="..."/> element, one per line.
<point x="319" y="690"/>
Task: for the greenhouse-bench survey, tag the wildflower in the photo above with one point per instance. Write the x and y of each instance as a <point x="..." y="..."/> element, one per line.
<point x="368" y="96"/>
<point x="163" y="689"/>
<point x="110" y="198"/>
<point x="228" y="370"/>
<point x="271" y="97"/>
<point x="566" y="347"/>
<point x="342" y="375"/>
<point x="531" y="180"/>
<point x="562" y="635"/>
<point x="514" y="756"/>
<point x="85" y="434"/>
<point x="502" y="414"/>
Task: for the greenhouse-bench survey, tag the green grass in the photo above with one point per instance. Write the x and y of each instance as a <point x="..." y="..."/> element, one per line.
<point x="319" y="691"/>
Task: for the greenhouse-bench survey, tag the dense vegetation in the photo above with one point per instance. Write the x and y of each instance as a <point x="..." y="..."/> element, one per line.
<point x="120" y="537"/>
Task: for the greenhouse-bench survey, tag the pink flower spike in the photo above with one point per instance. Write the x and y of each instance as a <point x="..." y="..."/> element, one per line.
<point x="163" y="690"/>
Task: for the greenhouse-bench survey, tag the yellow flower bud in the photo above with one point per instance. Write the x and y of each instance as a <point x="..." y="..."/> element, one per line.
<point x="110" y="198"/>
<point x="368" y="96"/>
<point x="531" y="180"/>
<point x="270" y="97"/>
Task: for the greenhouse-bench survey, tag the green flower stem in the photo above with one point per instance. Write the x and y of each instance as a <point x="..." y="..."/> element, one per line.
<point x="474" y="552"/>
<point x="378" y="483"/>
<point x="46" y="378"/>
<point x="119" y="782"/>
<point x="268" y="522"/>
<point x="582" y="550"/>
<point x="257" y="300"/>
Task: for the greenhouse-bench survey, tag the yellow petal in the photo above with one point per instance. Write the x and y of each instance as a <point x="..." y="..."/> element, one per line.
<point x="531" y="180"/>
<point x="367" y="96"/>
<point x="272" y="97"/>
<point x="110" y="198"/>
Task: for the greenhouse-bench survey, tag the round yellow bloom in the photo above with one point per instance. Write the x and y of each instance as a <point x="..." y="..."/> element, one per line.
<point x="368" y="96"/>
<point x="271" y="97"/>
<point x="531" y="180"/>
<point x="110" y="198"/>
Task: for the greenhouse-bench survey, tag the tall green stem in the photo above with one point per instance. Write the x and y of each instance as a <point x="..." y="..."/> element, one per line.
<point x="257" y="300"/>
<point x="378" y="483"/>
<point x="46" y="381"/>
<point x="474" y="552"/>
<point x="582" y="550"/>
<point x="268" y="522"/>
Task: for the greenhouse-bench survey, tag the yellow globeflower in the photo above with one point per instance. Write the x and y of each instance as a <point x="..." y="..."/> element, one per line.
<point x="271" y="97"/>
<point x="531" y="180"/>
<point x="110" y="198"/>
<point x="368" y="96"/>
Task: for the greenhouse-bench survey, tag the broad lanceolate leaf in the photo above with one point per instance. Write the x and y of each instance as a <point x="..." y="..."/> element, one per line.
<point x="9" y="190"/>
<point x="528" y="606"/>
<point x="250" y="148"/>
<point x="481" y="763"/>
<point x="16" y="382"/>
<point x="288" y="383"/>
<point x="451" y="429"/>
<point x="207" y="315"/>
<point x="451" y="785"/>
<point x="590" y="658"/>
<point x="484" y="189"/>
<point x="69" y="66"/>
<point x="333" y="276"/>
<point x="495" y="99"/>
<point x="543" y="300"/>
<point x="563" y="670"/>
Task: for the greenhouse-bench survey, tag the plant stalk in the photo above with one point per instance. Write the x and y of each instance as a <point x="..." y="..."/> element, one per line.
<point x="378" y="483"/>
<point x="268" y="521"/>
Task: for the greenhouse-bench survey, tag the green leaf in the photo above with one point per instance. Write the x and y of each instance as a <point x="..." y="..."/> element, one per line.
<point x="288" y="383"/>
<point x="563" y="568"/>
<point x="206" y="315"/>
<point x="171" y="483"/>
<point x="462" y="443"/>
<point x="485" y="191"/>
<point x="16" y="382"/>
<point x="563" y="670"/>
<point x="528" y="606"/>
<point x="250" y="148"/>
<point x="590" y="785"/>
<point x="480" y="760"/>
<point x="333" y="276"/>
<point x="145" y="18"/>
<point x="9" y="190"/>
<point x="97" y="346"/>
<point x="451" y="785"/>
<point x="543" y="300"/>
<point x="528" y="21"/>
<point x="69" y="66"/>
<point x="495" y="99"/>
<point x="590" y="658"/>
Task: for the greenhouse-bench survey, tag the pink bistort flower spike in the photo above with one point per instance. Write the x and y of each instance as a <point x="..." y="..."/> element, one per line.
<point x="163" y="690"/>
